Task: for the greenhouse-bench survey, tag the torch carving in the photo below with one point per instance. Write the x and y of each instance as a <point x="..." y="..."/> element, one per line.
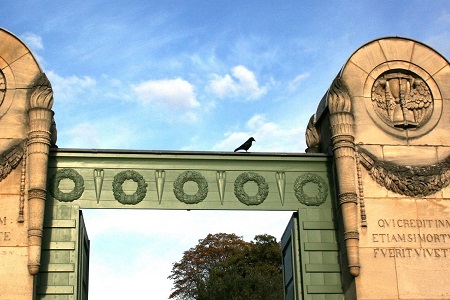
<point x="39" y="140"/>
<point x="342" y="122"/>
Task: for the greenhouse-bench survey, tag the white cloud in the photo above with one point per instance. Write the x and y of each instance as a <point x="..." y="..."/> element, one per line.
<point x="83" y="135"/>
<point x="174" y="93"/>
<point x="241" y="83"/>
<point x="33" y="40"/>
<point x="189" y="117"/>
<point x="69" y="88"/>
<point x="269" y="136"/>
<point x="296" y="82"/>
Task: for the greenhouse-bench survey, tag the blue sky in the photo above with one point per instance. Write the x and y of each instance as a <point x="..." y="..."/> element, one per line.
<point x="196" y="75"/>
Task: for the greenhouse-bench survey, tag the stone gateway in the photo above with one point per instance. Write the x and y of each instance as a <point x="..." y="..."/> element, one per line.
<point x="370" y="197"/>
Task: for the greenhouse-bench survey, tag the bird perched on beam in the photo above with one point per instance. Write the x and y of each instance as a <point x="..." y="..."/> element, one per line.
<point x="245" y="146"/>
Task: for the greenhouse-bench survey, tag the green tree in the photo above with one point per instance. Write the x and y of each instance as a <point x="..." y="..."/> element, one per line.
<point x="224" y="266"/>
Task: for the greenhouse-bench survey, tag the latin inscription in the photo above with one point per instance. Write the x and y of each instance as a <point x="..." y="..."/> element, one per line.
<point x="5" y="236"/>
<point x="399" y="236"/>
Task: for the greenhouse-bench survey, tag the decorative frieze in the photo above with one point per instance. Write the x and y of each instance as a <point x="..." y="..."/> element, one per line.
<point x="412" y="181"/>
<point x="317" y="197"/>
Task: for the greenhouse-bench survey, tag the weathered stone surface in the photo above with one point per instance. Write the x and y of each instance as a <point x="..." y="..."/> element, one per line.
<point x="427" y="59"/>
<point x="410" y="155"/>
<point x="403" y="185"/>
<point x="368" y="56"/>
<point x="395" y="49"/>
<point x="11" y="48"/>
<point x="441" y="78"/>
<point x="377" y="280"/>
<point x="17" y="284"/>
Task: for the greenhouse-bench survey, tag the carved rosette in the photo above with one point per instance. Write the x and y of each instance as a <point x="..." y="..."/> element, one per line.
<point x="342" y="122"/>
<point x="40" y="120"/>
<point x="402" y="99"/>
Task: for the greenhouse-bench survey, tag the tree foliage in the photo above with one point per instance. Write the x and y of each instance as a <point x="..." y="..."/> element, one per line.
<point x="224" y="266"/>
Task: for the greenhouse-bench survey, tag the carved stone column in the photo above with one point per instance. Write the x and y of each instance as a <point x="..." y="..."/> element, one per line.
<point x="342" y="121"/>
<point x="39" y="140"/>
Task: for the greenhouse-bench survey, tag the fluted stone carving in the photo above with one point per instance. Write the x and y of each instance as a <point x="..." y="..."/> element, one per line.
<point x="312" y="137"/>
<point x="39" y="141"/>
<point x="342" y="122"/>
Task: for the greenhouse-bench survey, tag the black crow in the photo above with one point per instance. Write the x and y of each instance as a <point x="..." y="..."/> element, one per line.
<point x="245" y="146"/>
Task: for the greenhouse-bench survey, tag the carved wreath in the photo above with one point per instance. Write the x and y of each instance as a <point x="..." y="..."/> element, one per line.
<point x="178" y="187"/>
<point x="413" y="181"/>
<point x="239" y="192"/>
<point x="120" y="195"/>
<point x="70" y="174"/>
<point x="306" y="199"/>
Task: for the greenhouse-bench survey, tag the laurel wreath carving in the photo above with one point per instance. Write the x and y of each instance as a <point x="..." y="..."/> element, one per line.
<point x="70" y="174"/>
<point x="120" y="195"/>
<point x="184" y="177"/>
<point x="302" y="197"/>
<point x="413" y="181"/>
<point x="239" y="192"/>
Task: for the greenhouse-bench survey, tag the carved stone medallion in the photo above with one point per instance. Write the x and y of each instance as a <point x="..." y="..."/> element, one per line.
<point x="402" y="99"/>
